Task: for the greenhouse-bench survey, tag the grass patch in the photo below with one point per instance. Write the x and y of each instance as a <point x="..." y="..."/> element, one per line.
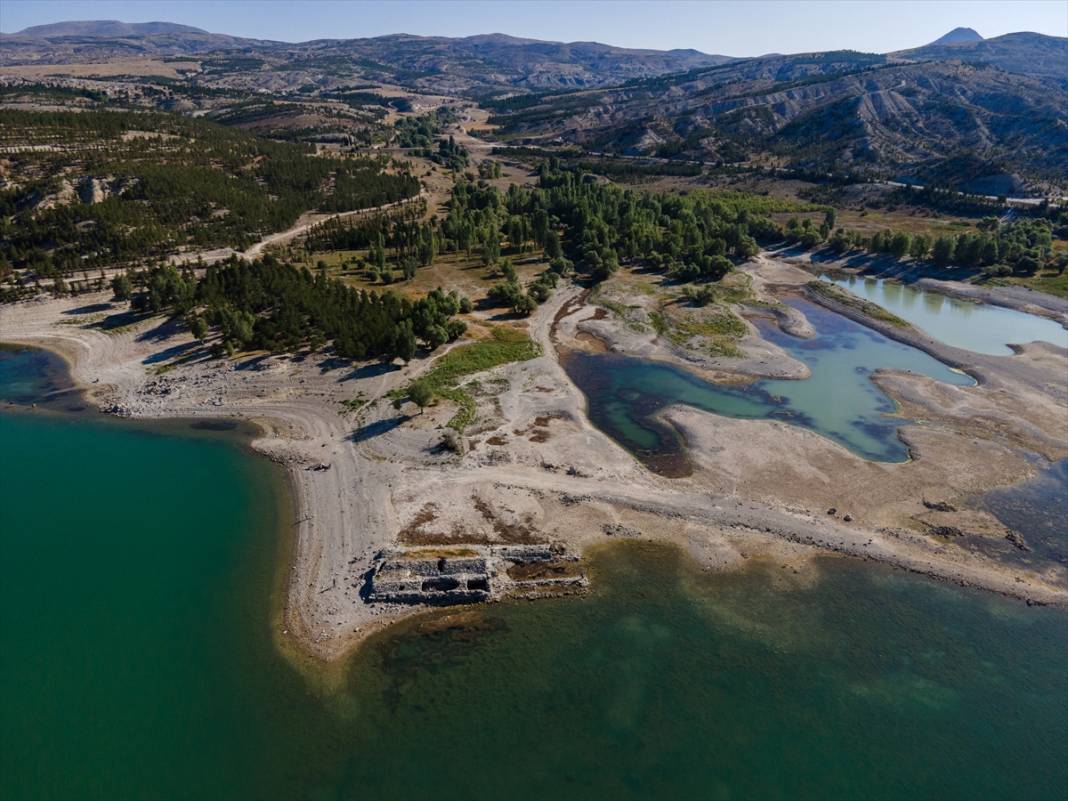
<point x="121" y="329"/>
<point x="84" y="319"/>
<point x="507" y="345"/>
<point x="623" y="312"/>
<point x="763" y="204"/>
<point x="616" y="308"/>
<point x="735" y="288"/>
<point x="356" y="403"/>
<point x="872" y="310"/>
<point x="660" y="322"/>
<point x="870" y="221"/>
<point x="719" y="330"/>
<point x="1049" y="282"/>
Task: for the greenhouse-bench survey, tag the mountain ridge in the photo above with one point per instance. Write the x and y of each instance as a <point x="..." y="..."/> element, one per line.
<point x="109" y="27"/>
<point x="479" y="64"/>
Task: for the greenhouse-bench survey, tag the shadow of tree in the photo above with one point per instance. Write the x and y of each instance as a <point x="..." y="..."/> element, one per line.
<point x="370" y="370"/>
<point x="184" y="349"/>
<point x="166" y="329"/>
<point x="378" y="428"/>
<point x="119" y="320"/>
<point x="90" y="309"/>
<point x="253" y="362"/>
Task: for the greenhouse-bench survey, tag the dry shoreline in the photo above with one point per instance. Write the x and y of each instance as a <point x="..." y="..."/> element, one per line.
<point x="761" y="491"/>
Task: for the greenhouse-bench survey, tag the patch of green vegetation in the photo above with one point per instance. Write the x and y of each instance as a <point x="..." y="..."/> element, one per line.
<point x="620" y="310"/>
<point x="507" y="345"/>
<point x="761" y="204"/>
<point x="737" y="288"/>
<point x="82" y="319"/>
<point x="356" y="403"/>
<point x="465" y="407"/>
<point x="660" y="323"/>
<point x="119" y="329"/>
<point x="846" y="299"/>
<point x="613" y="306"/>
<point x="642" y="287"/>
<point x="723" y="293"/>
<point x="723" y="348"/>
<point x="1050" y="282"/>
<point x="719" y="324"/>
<point x="719" y="330"/>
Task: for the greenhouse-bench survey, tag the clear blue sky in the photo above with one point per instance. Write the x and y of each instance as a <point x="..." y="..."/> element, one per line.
<point x="722" y="26"/>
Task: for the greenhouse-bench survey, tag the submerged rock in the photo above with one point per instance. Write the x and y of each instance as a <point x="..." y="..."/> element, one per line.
<point x="945" y="531"/>
<point x="1017" y="541"/>
<point x="620" y="530"/>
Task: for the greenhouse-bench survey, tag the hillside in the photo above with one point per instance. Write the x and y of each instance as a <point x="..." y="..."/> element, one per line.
<point x="968" y="122"/>
<point x="482" y="64"/>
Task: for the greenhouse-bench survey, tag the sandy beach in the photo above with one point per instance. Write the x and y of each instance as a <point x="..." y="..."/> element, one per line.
<point x="366" y="480"/>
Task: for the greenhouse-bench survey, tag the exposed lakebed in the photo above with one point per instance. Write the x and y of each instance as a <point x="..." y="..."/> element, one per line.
<point x="839" y="400"/>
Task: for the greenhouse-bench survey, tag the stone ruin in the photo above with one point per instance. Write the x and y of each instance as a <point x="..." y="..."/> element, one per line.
<point x="464" y="574"/>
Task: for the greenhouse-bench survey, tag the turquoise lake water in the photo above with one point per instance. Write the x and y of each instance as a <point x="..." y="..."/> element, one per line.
<point x="978" y="327"/>
<point x="839" y="400"/>
<point x="137" y="660"/>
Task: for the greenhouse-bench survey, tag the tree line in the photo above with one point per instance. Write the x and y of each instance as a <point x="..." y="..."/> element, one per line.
<point x="270" y="305"/>
<point x="1021" y="246"/>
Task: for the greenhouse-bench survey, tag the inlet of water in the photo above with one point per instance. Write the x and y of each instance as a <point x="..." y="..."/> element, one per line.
<point x="978" y="327"/>
<point x="839" y="400"/>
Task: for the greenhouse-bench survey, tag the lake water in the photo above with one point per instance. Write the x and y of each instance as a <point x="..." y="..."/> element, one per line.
<point x="1038" y="507"/>
<point x="839" y="400"/>
<point x="137" y="660"/>
<point x="978" y="327"/>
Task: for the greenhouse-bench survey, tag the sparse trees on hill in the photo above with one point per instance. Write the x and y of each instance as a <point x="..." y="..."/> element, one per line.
<point x="201" y="185"/>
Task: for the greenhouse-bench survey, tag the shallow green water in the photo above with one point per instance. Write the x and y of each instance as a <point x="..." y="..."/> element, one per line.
<point x="978" y="327"/>
<point x="1040" y="508"/>
<point x="839" y="400"/>
<point x="136" y="661"/>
